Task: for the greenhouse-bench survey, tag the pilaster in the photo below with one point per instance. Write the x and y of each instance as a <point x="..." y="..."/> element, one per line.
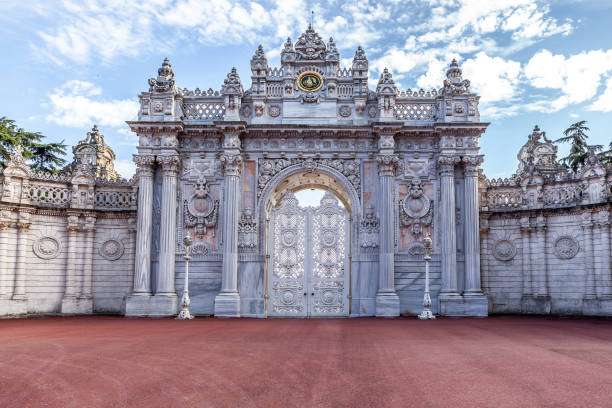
<point x="590" y="291"/>
<point x="448" y="230"/>
<point x="69" y="301"/>
<point x="85" y="300"/>
<point x="5" y="288"/>
<point x="227" y="302"/>
<point x="9" y="285"/>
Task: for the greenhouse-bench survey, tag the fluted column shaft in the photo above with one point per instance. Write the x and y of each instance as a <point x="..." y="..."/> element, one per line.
<point x="484" y="253"/>
<point x="167" y="231"/>
<point x="5" y="290"/>
<point x="23" y="226"/>
<point x="542" y="288"/>
<point x="590" y="290"/>
<point x="472" y="239"/>
<point x="448" y="225"/>
<point x="71" y="251"/>
<point x="86" y="287"/>
<point x="142" y="261"/>
<point x="526" y="263"/>
<point x="387" y="165"/>
<point x="605" y="263"/>
<point x="232" y="164"/>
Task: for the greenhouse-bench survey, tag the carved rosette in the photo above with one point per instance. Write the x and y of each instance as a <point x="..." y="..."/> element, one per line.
<point x="387" y="164"/>
<point x="232" y="164"/>
<point x="47" y="247"/>
<point x="112" y="249"/>
<point x="504" y="250"/>
<point x="566" y="247"/>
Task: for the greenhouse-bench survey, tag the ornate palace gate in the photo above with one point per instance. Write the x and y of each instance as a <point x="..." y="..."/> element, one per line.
<point x="308" y="271"/>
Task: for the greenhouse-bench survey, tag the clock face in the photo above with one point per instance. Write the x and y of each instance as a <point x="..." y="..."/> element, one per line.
<point x="310" y="81"/>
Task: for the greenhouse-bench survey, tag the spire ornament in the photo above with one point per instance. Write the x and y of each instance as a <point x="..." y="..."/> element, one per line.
<point x="454" y="84"/>
<point x="165" y="78"/>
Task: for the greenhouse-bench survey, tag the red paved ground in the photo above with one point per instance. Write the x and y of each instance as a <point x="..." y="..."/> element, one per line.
<point x="119" y="362"/>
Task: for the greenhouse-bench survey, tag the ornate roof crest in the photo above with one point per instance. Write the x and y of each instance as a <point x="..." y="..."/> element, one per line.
<point x="259" y="62"/>
<point x="232" y="84"/>
<point x="165" y="78"/>
<point x="386" y="85"/>
<point x="288" y="53"/>
<point x="454" y="83"/>
<point x="538" y="155"/>
<point x="94" y="153"/>
<point x="360" y="61"/>
<point x="332" y="51"/>
<point x="309" y="45"/>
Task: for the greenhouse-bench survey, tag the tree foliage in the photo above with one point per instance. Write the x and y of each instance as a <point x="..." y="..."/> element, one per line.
<point x="576" y="134"/>
<point x="42" y="156"/>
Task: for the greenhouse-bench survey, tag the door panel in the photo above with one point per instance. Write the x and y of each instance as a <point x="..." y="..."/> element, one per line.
<point x="308" y="274"/>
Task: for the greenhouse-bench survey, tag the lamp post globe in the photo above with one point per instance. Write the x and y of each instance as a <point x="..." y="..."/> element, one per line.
<point x="426" y="314"/>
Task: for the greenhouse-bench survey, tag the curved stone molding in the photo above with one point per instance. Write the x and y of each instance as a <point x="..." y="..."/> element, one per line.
<point x="47" y="247"/>
<point x="112" y="249"/>
<point x="504" y="250"/>
<point x="566" y="247"/>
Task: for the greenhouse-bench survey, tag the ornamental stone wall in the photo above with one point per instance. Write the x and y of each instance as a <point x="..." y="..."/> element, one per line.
<point x="545" y="236"/>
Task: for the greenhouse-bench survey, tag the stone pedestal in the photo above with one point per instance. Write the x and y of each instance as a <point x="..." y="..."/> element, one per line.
<point x="469" y="305"/>
<point x="10" y="307"/>
<point x="74" y="305"/>
<point x="151" y="306"/>
<point x="535" y="305"/>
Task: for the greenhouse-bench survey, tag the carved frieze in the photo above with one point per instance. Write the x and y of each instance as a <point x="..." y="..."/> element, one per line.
<point x="268" y="168"/>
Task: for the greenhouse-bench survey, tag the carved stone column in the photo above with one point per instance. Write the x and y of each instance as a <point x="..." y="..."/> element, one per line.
<point x="590" y="291"/>
<point x="167" y="231"/>
<point x="526" y="261"/>
<point x="86" y="284"/>
<point x="21" y="270"/>
<point x="448" y="226"/>
<point x="540" y="273"/>
<point x="69" y="301"/>
<point x="227" y="302"/>
<point x="604" y="277"/>
<point x="472" y="241"/>
<point x="5" y="288"/>
<point x="387" y="300"/>
<point x="142" y="270"/>
<point x="484" y="253"/>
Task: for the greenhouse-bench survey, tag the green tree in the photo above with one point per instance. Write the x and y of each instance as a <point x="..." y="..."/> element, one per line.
<point x="43" y="156"/>
<point x="576" y="135"/>
<point x="606" y="157"/>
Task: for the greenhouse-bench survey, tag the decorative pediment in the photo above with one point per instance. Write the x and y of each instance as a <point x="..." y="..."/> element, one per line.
<point x="310" y="46"/>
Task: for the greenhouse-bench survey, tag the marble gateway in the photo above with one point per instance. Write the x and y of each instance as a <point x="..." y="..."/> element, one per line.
<point x="224" y="165"/>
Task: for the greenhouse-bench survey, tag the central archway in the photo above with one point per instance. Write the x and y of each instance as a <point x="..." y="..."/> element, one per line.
<point x="284" y="184"/>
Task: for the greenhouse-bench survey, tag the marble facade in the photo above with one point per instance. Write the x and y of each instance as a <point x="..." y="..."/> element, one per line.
<point x="218" y="164"/>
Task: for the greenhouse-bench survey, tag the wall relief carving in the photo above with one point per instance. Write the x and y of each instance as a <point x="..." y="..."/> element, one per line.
<point x="112" y="249"/>
<point x="504" y="250"/>
<point x="200" y="248"/>
<point x="566" y="247"/>
<point x="268" y="168"/>
<point x="369" y="229"/>
<point x="247" y="231"/>
<point x="47" y="247"/>
<point x="201" y="210"/>
<point x="416" y="209"/>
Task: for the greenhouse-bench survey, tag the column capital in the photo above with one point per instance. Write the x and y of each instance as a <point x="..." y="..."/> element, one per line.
<point x="144" y="164"/>
<point x="471" y="164"/>
<point x="525" y="224"/>
<point x="387" y="164"/>
<point x="23" y="225"/>
<point x="169" y="163"/>
<point x="540" y="223"/>
<point x="447" y="164"/>
<point x="484" y="224"/>
<point x="90" y="222"/>
<point x="232" y="164"/>
<point x="73" y="223"/>
<point x="602" y="218"/>
<point x="586" y="220"/>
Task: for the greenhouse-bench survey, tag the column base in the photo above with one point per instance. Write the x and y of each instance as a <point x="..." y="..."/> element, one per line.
<point x="535" y="305"/>
<point x="151" y="306"/>
<point x="601" y="306"/>
<point x="470" y="304"/>
<point x="11" y="307"/>
<point x="74" y="305"/>
<point x="227" y="305"/>
<point x="387" y="304"/>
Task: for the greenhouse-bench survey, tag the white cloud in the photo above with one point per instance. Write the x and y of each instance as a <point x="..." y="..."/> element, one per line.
<point x="126" y="168"/>
<point x="577" y="77"/>
<point x="75" y="104"/>
<point x="604" y="102"/>
<point x="494" y="78"/>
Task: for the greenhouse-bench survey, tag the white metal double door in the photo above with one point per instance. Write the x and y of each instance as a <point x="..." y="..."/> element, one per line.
<point x="308" y="270"/>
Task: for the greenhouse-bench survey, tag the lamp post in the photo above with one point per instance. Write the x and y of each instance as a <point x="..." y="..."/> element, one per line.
<point x="185" y="314"/>
<point x="426" y="313"/>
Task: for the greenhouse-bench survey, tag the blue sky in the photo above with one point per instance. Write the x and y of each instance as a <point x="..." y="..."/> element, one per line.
<point x="70" y="64"/>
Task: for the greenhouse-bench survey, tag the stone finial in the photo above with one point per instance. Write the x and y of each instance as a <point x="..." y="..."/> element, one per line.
<point x="386" y="85"/>
<point x="332" y="51"/>
<point x="232" y="84"/>
<point x="360" y="61"/>
<point x="454" y="83"/>
<point x="17" y="159"/>
<point x="93" y="153"/>
<point x="259" y="62"/>
<point x="309" y="45"/>
<point x="165" y="78"/>
<point x="538" y="156"/>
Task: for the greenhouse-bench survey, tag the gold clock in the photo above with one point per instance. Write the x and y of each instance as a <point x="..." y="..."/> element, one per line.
<point x="310" y="81"/>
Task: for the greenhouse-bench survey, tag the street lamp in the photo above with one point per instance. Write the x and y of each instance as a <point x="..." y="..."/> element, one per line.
<point x="426" y="313"/>
<point x="185" y="314"/>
